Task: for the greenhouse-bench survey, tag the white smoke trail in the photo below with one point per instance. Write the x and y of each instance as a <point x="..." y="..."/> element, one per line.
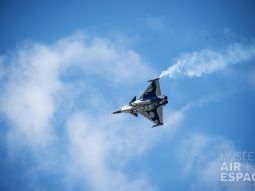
<point x="206" y="61"/>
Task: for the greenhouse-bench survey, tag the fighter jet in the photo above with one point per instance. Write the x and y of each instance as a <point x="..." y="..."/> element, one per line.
<point x="150" y="104"/>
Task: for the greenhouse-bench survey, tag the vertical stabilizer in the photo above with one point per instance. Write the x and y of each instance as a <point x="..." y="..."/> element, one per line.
<point x="132" y="100"/>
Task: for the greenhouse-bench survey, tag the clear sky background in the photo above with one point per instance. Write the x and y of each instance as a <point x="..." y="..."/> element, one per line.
<point x="66" y="65"/>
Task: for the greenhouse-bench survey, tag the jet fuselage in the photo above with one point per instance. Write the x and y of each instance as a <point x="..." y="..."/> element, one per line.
<point x="150" y="104"/>
<point x="143" y="105"/>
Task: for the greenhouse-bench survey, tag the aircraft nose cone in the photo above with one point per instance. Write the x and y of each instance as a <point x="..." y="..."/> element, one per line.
<point x="117" y="111"/>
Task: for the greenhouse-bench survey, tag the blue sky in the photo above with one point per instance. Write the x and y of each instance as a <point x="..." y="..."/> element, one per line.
<point x="65" y="66"/>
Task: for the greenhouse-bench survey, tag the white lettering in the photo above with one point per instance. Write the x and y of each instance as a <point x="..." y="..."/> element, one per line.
<point x="224" y="167"/>
<point x="223" y="176"/>
<point x="237" y="166"/>
<point x="246" y="177"/>
<point x="239" y="175"/>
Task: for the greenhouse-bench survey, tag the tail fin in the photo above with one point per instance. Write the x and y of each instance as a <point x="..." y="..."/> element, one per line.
<point x="132" y="100"/>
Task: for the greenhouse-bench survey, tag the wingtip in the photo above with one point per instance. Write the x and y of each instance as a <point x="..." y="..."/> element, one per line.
<point x="153" y="79"/>
<point x="160" y="124"/>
